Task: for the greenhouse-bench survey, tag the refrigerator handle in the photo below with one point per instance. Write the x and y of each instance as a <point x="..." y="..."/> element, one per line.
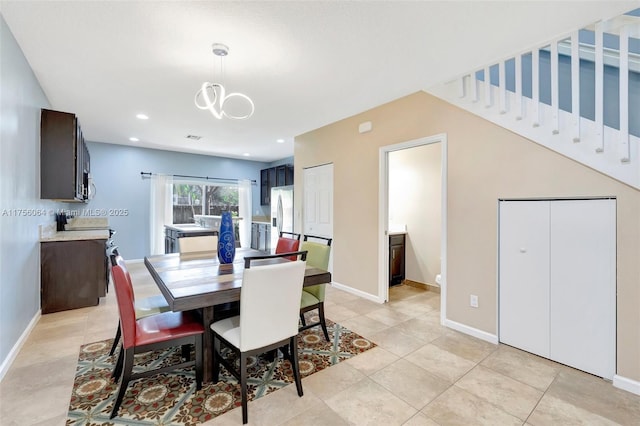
<point x="280" y="214"/>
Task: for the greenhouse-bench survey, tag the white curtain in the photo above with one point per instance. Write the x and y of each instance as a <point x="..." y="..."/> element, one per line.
<point x="244" y="211"/>
<point x="160" y="210"/>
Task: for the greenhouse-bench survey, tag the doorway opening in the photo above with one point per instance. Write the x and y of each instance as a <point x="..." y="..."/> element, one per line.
<point x="404" y="210"/>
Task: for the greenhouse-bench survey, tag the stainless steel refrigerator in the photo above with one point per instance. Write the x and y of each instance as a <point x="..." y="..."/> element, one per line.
<point x="281" y="212"/>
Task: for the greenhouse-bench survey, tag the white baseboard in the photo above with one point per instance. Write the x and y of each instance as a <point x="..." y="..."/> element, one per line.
<point x="629" y="385"/>
<point x="482" y="335"/>
<point x="6" y="364"/>
<point x="357" y="292"/>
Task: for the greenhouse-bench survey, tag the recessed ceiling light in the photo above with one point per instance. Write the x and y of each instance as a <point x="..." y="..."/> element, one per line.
<point x="133" y="139"/>
<point x="280" y="140"/>
<point x="246" y="154"/>
<point x="142" y="116"/>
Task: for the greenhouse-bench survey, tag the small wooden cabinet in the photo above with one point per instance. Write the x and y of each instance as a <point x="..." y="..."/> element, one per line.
<point x="64" y="158"/>
<point x="396" y="258"/>
<point x="272" y="177"/>
<point x="73" y="274"/>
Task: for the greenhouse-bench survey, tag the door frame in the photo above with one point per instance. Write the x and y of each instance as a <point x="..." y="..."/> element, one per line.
<point x="383" y="216"/>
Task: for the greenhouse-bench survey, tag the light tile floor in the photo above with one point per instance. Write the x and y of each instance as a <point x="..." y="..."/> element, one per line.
<point x="420" y="374"/>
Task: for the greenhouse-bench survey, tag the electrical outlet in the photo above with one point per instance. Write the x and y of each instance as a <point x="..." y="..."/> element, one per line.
<point x="473" y="300"/>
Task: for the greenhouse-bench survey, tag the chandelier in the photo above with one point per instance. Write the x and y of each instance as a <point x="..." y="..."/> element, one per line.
<point x="213" y="97"/>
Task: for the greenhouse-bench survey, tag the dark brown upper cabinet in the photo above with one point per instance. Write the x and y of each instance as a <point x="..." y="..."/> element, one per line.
<point x="272" y="177"/>
<point x="64" y="158"/>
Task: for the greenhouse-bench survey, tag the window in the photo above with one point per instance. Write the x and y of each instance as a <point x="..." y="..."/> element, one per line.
<point x="195" y="198"/>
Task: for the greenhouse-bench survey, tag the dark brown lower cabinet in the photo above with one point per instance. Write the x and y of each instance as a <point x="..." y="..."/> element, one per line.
<point x="396" y="259"/>
<point x="72" y="274"/>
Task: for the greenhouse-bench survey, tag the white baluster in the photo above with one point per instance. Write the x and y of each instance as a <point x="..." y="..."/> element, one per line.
<point x="519" y="112"/>
<point x="624" y="95"/>
<point x="461" y="87"/>
<point x="487" y="88"/>
<point x="575" y="85"/>
<point x="475" y="96"/>
<point x="502" y="82"/>
<point x="535" y="87"/>
<point x="555" y="89"/>
<point x="599" y="86"/>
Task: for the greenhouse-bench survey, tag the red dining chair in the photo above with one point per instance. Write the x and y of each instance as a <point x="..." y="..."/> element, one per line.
<point x="150" y="333"/>
<point x="288" y="245"/>
<point x="144" y="307"/>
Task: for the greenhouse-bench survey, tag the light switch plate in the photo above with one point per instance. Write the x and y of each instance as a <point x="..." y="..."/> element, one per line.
<point x="473" y="301"/>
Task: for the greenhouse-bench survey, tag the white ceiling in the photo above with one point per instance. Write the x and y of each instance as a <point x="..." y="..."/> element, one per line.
<point x="305" y="64"/>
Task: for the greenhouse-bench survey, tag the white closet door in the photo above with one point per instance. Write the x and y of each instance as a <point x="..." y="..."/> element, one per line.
<point x="583" y="268"/>
<point x="524" y="275"/>
<point x="318" y="200"/>
<point x="318" y="203"/>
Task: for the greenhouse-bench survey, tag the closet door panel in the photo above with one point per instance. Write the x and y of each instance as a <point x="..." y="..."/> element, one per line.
<point x="524" y="275"/>
<point x="582" y="302"/>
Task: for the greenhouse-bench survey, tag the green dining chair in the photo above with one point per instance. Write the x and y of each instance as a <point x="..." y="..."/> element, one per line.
<point x="313" y="296"/>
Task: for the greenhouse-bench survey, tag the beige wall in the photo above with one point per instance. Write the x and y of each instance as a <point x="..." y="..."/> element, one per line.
<point x="415" y="186"/>
<point x="485" y="162"/>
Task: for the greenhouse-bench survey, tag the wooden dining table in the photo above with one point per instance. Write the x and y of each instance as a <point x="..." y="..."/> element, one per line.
<point x="198" y="281"/>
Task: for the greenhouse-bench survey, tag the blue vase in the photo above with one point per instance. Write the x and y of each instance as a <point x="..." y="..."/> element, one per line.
<point x="226" y="239"/>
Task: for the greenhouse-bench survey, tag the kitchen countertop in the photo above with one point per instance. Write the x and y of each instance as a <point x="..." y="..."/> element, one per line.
<point x="102" y="234"/>
<point x="397" y="232"/>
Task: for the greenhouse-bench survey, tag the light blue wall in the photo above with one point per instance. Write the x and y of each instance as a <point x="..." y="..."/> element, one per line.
<point x="116" y="173"/>
<point x="21" y="98"/>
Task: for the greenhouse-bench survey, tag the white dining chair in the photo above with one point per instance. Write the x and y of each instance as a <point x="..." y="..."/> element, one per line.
<point x="268" y="291"/>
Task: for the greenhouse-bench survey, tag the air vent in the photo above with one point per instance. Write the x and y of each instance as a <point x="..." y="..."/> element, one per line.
<point x="194" y="137"/>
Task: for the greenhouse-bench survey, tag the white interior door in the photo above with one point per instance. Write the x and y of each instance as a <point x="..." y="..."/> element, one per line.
<point x="524" y="275"/>
<point x="583" y="276"/>
<point x="317" y="206"/>
<point x="318" y="200"/>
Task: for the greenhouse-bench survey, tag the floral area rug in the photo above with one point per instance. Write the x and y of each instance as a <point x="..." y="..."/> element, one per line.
<point x="172" y="399"/>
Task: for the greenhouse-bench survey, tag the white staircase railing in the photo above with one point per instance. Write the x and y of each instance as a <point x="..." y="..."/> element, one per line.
<point x="613" y="151"/>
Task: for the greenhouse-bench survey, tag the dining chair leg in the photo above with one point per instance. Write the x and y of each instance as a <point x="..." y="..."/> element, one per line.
<point x="243" y="387"/>
<point x="199" y="363"/>
<point x="293" y="349"/>
<point x="285" y="352"/>
<point x="271" y="355"/>
<point x="323" y="323"/>
<point x="216" y="359"/>
<point x="115" y="340"/>
<point x="128" y="368"/>
<point x="186" y="352"/>
<point x="302" y="320"/>
<point x="117" y="370"/>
